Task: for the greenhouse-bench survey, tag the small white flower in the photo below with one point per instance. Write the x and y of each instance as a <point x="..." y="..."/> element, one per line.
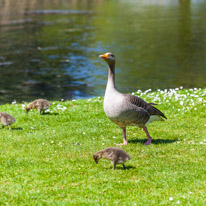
<point x="178" y="202"/>
<point x="190" y="192"/>
<point x="14" y="102"/>
<point x="52" y="141"/>
<point x="171" y="198"/>
<point x="64" y="108"/>
<point x="181" y="102"/>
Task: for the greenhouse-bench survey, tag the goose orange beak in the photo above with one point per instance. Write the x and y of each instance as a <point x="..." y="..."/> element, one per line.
<point x="104" y="56"/>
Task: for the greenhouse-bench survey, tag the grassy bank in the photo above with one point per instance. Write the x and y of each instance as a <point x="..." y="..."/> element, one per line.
<point x="47" y="159"/>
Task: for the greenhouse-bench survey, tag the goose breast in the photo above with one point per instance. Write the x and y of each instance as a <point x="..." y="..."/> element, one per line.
<point x="119" y="110"/>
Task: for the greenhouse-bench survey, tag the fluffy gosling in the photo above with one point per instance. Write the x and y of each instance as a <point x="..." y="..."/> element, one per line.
<point x="6" y="119"/>
<point x="40" y="104"/>
<point x="114" y="154"/>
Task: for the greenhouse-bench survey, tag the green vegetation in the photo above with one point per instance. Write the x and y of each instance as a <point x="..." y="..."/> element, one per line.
<point x="47" y="159"/>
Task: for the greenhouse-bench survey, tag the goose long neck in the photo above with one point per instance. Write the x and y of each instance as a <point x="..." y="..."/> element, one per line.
<point x="111" y="77"/>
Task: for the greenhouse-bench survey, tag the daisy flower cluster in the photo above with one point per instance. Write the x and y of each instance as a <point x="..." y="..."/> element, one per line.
<point x="192" y="142"/>
<point x="58" y="107"/>
<point x="179" y="100"/>
<point x="95" y="99"/>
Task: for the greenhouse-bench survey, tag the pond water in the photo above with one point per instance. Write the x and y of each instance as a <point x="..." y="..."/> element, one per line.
<point x="49" y="48"/>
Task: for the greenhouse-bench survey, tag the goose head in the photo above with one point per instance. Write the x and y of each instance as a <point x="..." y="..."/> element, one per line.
<point x="108" y="57"/>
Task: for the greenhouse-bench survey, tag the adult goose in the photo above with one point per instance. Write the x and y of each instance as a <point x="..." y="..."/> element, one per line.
<point x="127" y="109"/>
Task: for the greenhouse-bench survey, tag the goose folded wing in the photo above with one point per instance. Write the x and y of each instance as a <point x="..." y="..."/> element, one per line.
<point x="142" y="104"/>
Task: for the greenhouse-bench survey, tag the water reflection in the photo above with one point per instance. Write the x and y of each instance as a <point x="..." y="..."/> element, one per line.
<point x="49" y="49"/>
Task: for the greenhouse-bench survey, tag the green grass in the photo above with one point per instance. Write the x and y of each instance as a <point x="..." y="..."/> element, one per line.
<point x="47" y="159"/>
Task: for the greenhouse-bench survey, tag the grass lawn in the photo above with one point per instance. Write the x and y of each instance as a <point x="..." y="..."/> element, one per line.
<point x="47" y="159"/>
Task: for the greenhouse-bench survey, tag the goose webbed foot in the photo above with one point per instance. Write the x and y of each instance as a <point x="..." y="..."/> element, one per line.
<point x="124" y="143"/>
<point x="124" y="137"/>
<point x="148" y="142"/>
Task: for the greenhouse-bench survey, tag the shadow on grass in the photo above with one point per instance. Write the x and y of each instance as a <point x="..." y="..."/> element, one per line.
<point x="17" y="128"/>
<point x="48" y="113"/>
<point x="119" y="167"/>
<point x="14" y="128"/>
<point x="129" y="168"/>
<point x="154" y="141"/>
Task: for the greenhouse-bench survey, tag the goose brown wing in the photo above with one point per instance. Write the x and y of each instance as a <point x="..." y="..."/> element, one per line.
<point x="147" y="106"/>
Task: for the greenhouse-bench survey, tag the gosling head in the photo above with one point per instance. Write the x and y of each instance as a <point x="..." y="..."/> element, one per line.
<point x="27" y="109"/>
<point x="97" y="156"/>
<point x="108" y="57"/>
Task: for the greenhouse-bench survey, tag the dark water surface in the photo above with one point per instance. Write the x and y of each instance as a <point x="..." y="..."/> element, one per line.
<point x="50" y="48"/>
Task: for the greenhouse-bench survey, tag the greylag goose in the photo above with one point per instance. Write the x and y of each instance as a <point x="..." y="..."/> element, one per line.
<point x="127" y="109"/>
<point x="6" y="119"/>
<point x="114" y="154"/>
<point x="40" y="104"/>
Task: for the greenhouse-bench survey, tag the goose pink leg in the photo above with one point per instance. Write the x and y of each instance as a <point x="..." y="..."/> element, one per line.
<point x="124" y="137"/>
<point x="149" y="139"/>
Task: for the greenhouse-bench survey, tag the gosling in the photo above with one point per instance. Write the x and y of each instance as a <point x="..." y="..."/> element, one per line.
<point x="6" y="119"/>
<point x="114" y="154"/>
<point x="40" y="104"/>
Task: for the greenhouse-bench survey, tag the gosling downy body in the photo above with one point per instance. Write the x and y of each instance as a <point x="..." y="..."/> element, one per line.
<point x="127" y="109"/>
<point x="6" y="119"/>
<point x="114" y="154"/>
<point x="40" y="104"/>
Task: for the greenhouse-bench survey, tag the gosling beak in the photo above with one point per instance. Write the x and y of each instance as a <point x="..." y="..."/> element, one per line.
<point x="103" y="56"/>
<point x="96" y="160"/>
